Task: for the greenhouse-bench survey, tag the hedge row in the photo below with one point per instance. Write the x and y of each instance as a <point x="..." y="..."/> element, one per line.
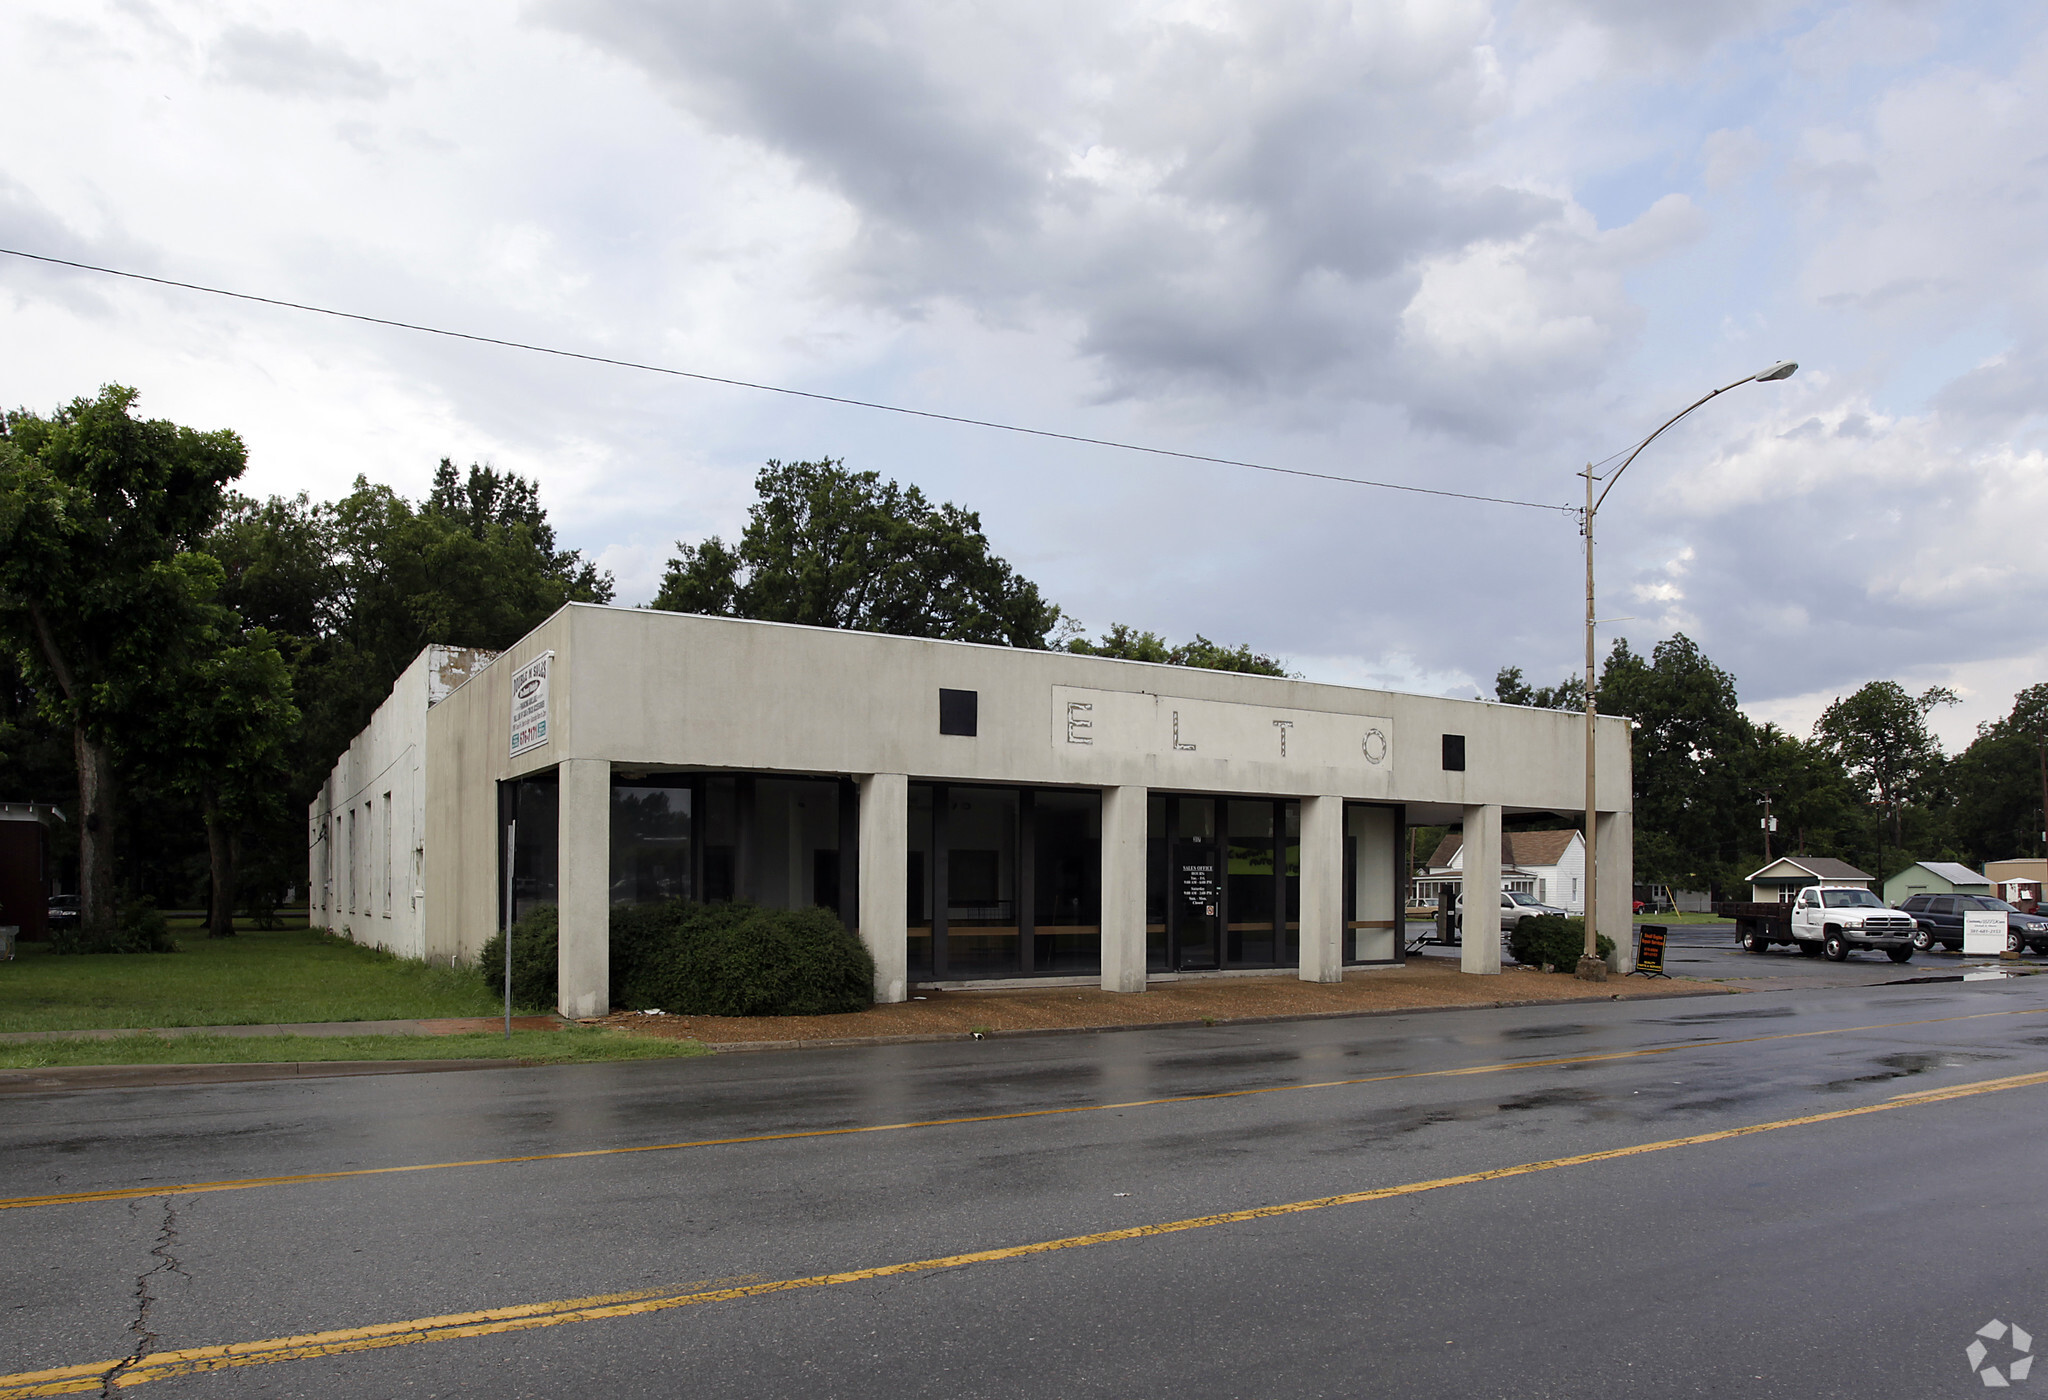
<point x="701" y="960"/>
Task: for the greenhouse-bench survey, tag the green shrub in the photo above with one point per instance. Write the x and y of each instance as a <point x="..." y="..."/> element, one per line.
<point x="738" y="960"/>
<point x="139" y="928"/>
<point x="534" y="944"/>
<point x="701" y="960"/>
<point x="1555" y="940"/>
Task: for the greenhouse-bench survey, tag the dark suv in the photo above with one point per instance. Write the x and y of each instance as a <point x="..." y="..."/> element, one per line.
<point x="1940" y="920"/>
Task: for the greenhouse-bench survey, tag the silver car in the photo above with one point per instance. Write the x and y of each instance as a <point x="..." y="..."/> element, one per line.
<point x="1514" y="908"/>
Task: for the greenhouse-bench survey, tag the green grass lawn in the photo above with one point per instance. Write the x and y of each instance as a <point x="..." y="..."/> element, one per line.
<point x="1684" y="920"/>
<point x="259" y="977"/>
<point x="575" y="1045"/>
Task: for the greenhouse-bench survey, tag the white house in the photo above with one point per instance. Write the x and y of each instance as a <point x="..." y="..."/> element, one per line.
<point x="1785" y="877"/>
<point x="1548" y="865"/>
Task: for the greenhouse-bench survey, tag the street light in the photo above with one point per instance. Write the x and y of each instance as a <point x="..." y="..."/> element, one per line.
<point x="1591" y="966"/>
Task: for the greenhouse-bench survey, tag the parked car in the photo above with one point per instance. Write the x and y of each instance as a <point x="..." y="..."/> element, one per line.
<point x="1514" y="908"/>
<point x="1939" y="919"/>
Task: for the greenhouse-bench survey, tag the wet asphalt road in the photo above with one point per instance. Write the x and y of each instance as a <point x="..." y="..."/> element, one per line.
<point x="1847" y="1257"/>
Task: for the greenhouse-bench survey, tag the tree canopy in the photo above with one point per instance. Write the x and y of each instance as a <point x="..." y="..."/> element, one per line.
<point x="1126" y="643"/>
<point x="836" y="548"/>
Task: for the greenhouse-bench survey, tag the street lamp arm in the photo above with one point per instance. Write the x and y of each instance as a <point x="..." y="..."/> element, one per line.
<point x="1654" y="436"/>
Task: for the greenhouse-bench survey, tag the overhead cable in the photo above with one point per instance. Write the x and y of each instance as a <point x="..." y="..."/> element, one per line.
<point x="779" y="388"/>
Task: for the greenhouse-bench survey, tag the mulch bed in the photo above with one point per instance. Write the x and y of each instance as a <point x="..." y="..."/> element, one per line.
<point x="1423" y="984"/>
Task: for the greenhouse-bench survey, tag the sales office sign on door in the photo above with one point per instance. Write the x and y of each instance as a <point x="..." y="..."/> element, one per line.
<point x="530" y="703"/>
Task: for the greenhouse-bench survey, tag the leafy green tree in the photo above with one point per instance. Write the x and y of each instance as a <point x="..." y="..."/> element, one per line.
<point x="1692" y="751"/>
<point x="1818" y="809"/>
<point x="99" y="512"/>
<point x="1510" y="689"/>
<point x="1996" y="781"/>
<point x="227" y="745"/>
<point x="833" y="548"/>
<point x="1880" y="736"/>
<point x="1125" y="643"/>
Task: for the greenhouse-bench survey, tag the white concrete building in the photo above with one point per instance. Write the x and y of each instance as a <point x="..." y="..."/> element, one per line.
<point x="367" y="829"/>
<point x="975" y="813"/>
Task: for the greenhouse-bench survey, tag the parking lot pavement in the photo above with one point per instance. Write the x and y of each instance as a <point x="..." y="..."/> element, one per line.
<point x="1709" y="952"/>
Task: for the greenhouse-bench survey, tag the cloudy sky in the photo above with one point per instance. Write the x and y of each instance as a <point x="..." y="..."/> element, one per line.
<point x="1444" y="242"/>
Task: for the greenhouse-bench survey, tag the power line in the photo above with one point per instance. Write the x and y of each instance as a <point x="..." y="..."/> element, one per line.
<point x="781" y="389"/>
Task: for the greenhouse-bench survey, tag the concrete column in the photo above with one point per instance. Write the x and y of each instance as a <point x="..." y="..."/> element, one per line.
<point x="1123" y="889"/>
<point x="884" y="864"/>
<point x="583" y="871"/>
<point x="1322" y="889"/>
<point x="1617" y="877"/>
<point x="1481" y="951"/>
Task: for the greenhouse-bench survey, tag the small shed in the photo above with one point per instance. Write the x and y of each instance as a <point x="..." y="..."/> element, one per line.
<point x="1777" y="882"/>
<point x="1934" y="877"/>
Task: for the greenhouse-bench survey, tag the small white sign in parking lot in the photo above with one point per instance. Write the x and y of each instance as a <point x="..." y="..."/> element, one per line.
<point x="1984" y="931"/>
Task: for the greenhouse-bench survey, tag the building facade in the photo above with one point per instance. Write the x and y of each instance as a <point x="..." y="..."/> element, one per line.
<point x="974" y="813"/>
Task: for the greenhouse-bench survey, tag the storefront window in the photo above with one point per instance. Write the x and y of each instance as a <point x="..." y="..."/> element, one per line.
<point x="535" y="804"/>
<point x="981" y="830"/>
<point x="1253" y="890"/>
<point x="1066" y="890"/>
<point x="1157" y="884"/>
<point x="918" y="881"/>
<point x="652" y="851"/>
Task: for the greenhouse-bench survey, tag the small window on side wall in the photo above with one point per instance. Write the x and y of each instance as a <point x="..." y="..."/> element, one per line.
<point x="959" y="712"/>
<point x="1454" y="753"/>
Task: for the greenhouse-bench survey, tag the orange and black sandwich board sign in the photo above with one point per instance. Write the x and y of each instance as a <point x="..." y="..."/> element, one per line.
<point x="1650" y="951"/>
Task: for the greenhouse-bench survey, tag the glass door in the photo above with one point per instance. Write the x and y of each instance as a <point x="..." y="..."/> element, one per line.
<point x="1195" y="871"/>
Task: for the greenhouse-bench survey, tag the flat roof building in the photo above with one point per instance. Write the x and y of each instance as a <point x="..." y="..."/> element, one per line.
<point x="974" y="813"/>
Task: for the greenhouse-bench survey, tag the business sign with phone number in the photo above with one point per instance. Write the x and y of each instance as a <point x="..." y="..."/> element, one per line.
<point x="530" y="703"/>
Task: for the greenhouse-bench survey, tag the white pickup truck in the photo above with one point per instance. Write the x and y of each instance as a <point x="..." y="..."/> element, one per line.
<point x="1830" y="919"/>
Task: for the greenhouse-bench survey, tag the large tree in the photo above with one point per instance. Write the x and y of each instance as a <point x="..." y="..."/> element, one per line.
<point x="99" y="512"/>
<point x="348" y="592"/>
<point x="1126" y="643"/>
<point x="837" y="548"/>
<point x="1881" y="738"/>
<point x="1511" y="689"/>
<point x="1692" y="749"/>
<point x="1997" y="781"/>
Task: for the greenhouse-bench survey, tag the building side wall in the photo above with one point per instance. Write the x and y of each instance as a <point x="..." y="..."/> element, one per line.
<point x="366" y="830"/>
<point x="468" y="745"/>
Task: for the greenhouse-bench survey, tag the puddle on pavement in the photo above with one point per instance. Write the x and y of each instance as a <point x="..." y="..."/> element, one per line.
<point x="1975" y="974"/>
<point x="1710" y="1017"/>
<point x="1909" y="1063"/>
<point x="1543" y="1032"/>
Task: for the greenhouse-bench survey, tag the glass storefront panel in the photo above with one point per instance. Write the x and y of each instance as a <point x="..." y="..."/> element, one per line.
<point x="1252" y="889"/>
<point x="1156" y="884"/>
<point x="535" y="803"/>
<point x="981" y="935"/>
<point x="1066" y="888"/>
<point x="1290" y="889"/>
<point x="918" y="881"/>
<point x="652" y="855"/>
<point x="793" y="853"/>
<point x="721" y="835"/>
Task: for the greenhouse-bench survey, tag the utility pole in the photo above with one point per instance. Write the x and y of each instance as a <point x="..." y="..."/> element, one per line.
<point x="1769" y="824"/>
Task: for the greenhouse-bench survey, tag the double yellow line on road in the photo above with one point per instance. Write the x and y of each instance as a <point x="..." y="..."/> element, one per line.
<point x="136" y="1193"/>
<point x="125" y="1372"/>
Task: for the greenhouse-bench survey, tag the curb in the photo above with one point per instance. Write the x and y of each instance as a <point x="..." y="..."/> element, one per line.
<point x="65" y="1077"/>
<point x="935" y="1037"/>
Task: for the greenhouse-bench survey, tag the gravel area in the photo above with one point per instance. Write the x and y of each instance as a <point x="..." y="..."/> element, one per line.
<point x="1420" y="984"/>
